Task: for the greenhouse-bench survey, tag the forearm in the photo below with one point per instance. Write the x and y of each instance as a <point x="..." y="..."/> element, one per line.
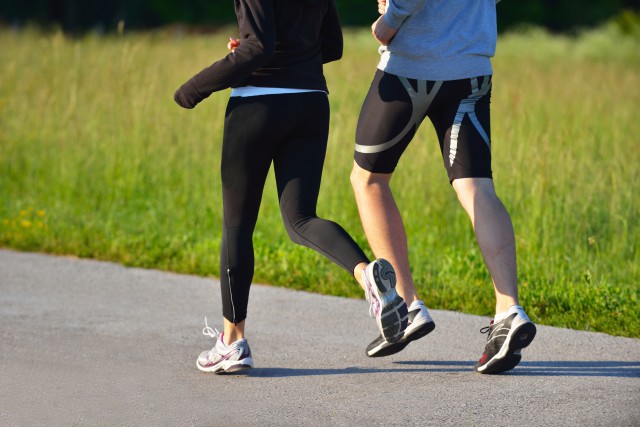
<point x="256" y="49"/>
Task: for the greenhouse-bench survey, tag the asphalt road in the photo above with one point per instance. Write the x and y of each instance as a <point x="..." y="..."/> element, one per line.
<point x="93" y="343"/>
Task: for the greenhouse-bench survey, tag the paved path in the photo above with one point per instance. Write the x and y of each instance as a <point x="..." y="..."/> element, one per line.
<point x="94" y="343"/>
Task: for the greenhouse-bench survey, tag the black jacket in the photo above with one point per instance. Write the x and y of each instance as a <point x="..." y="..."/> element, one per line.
<point x="283" y="43"/>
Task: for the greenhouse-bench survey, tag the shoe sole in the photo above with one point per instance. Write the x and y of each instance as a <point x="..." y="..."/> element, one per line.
<point x="505" y="360"/>
<point x="394" y="319"/>
<point x="235" y="369"/>
<point x="394" y="315"/>
<point x="387" y="349"/>
<point x="505" y="364"/>
<point x="228" y="366"/>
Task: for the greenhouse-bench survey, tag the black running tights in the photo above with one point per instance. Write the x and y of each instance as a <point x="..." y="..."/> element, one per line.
<point x="291" y="130"/>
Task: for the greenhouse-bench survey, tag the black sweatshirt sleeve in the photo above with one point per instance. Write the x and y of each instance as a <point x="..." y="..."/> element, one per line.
<point x="331" y="34"/>
<point x="257" y="46"/>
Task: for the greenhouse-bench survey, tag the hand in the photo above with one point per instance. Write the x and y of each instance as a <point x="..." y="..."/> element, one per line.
<point x="233" y="44"/>
<point x="188" y="96"/>
<point x="382" y="6"/>
<point x="383" y="32"/>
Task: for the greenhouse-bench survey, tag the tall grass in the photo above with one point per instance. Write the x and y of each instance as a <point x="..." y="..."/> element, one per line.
<point x="97" y="161"/>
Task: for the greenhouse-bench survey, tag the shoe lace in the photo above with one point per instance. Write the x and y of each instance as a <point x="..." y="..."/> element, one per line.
<point x="208" y="331"/>
<point x="486" y="329"/>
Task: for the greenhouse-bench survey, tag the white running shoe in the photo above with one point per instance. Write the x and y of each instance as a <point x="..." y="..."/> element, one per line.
<point x="385" y="305"/>
<point x="420" y="324"/>
<point x="224" y="358"/>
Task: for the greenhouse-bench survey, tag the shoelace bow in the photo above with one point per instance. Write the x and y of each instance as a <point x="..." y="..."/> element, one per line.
<point x="208" y="331"/>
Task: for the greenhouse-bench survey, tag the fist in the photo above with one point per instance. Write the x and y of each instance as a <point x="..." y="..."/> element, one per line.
<point x="382" y="6"/>
<point x="233" y="44"/>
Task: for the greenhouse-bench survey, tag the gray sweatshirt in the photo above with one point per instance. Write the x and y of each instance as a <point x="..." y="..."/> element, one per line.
<point x="440" y="39"/>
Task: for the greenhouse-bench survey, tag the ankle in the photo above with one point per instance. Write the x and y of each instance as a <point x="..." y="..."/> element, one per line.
<point x="504" y="305"/>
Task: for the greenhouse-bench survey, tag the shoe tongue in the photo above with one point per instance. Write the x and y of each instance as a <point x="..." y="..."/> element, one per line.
<point x="416" y="305"/>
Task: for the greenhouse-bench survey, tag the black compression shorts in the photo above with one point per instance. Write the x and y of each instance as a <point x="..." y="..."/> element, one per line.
<point x="395" y="107"/>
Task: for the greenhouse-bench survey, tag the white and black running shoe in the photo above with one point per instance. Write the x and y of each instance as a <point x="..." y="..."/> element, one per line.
<point x="506" y="338"/>
<point x="420" y="324"/>
<point x="385" y="305"/>
<point x="222" y="358"/>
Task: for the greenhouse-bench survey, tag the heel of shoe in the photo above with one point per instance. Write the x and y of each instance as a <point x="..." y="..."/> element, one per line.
<point x="523" y="336"/>
<point x="384" y="275"/>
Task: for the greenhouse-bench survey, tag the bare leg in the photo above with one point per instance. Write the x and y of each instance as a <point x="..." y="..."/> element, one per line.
<point x="357" y="274"/>
<point x="494" y="233"/>
<point x="233" y="332"/>
<point x="383" y="226"/>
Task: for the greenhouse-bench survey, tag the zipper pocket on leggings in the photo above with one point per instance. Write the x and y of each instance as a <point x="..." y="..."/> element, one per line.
<point x="233" y="307"/>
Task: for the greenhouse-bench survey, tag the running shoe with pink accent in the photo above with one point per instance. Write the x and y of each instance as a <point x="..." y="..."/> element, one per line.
<point x="385" y="305"/>
<point x="420" y="324"/>
<point x="223" y="358"/>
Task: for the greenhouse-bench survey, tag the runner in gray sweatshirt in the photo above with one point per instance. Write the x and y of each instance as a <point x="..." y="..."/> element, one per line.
<point x="436" y="62"/>
<point x="440" y="39"/>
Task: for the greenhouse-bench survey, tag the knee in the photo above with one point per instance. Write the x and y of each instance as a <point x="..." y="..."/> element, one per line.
<point x="363" y="180"/>
<point x="357" y="176"/>
<point x="472" y="186"/>
<point x="471" y="191"/>
<point x="293" y="230"/>
<point x="294" y="222"/>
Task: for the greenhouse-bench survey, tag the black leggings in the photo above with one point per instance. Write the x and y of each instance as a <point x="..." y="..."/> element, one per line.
<point x="291" y="130"/>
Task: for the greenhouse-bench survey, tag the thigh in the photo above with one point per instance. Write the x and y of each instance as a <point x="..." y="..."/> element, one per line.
<point x="247" y="150"/>
<point x="390" y="116"/>
<point x="461" y="117"/>
<point x="299" y="156"/>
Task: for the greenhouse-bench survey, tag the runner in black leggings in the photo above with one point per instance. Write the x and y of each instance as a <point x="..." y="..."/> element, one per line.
<point x="279" y="112"/>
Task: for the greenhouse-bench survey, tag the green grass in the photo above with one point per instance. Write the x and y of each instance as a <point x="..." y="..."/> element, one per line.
<point x="97" y="161"/>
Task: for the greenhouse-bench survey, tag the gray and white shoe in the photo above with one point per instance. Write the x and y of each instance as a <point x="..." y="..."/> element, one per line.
<point x="222" y="358"/>
<point x="420" y="324"/>
<point x="505" y="342"/>
<point x="385" y="305"/>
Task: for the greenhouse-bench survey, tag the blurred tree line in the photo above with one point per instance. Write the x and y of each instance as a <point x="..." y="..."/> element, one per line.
<point x="80" y="15"/>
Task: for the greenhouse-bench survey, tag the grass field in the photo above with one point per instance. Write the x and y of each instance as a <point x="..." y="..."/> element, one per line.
<point x="97" y="161"/>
